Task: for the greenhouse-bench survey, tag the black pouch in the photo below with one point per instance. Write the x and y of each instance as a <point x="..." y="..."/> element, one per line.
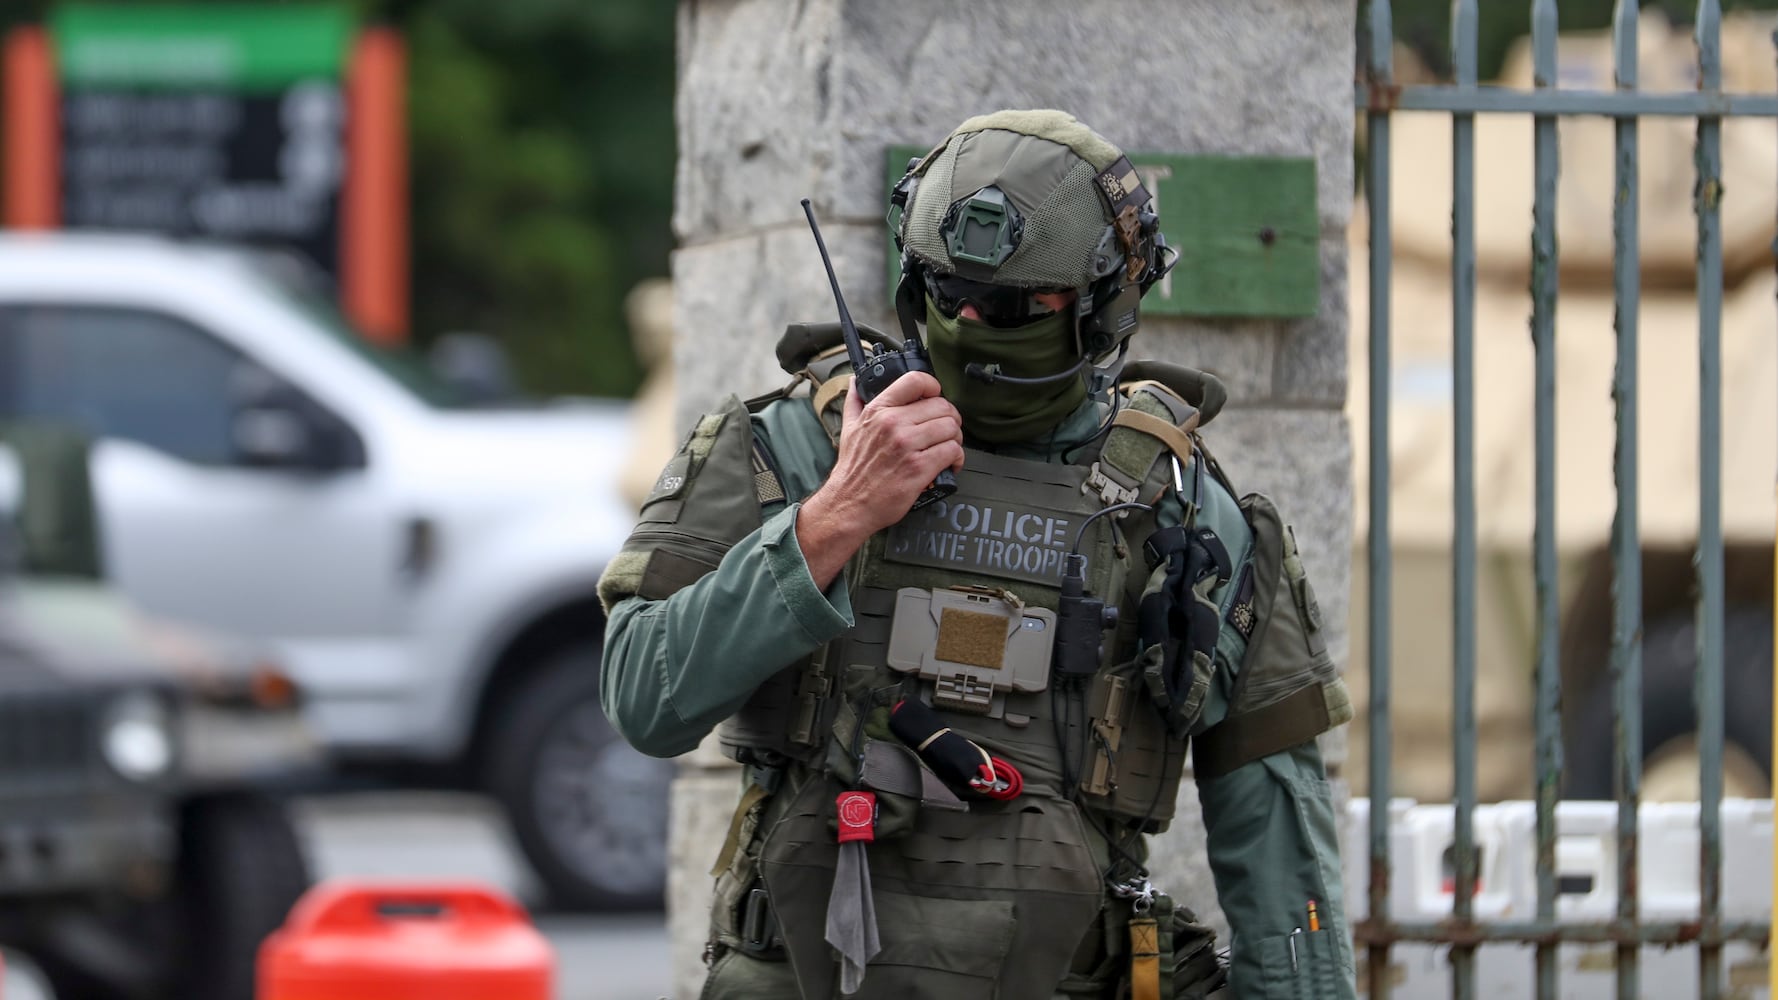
<point x="1193" y="969"/>
<point x="1177" y="623"/>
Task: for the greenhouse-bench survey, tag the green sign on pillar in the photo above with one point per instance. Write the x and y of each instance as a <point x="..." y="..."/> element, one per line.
<point x="1246" y="229"/>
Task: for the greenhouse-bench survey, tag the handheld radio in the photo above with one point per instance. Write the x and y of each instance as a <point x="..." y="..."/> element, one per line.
<point x="875" y="371"/>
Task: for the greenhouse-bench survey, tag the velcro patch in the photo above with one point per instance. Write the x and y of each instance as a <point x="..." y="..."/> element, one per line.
<point x="971" y="637"/>
<point x="766" y="484"/>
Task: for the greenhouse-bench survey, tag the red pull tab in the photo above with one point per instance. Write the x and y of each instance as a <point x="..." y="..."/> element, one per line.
<point x="858" y="816"/>
<point x="998" y="780"/>
<point x="1015" y="782"/>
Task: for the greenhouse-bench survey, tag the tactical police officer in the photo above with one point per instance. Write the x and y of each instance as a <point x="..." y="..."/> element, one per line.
<point x="961" y="712"/>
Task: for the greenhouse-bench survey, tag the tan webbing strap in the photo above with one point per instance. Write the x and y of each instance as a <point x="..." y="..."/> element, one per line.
<point x="1295" y="718"/>
<point x="1177" y="439"/>
<point x="760" y="402"/>
<point x="1145" y="959"/>
<point x="1164" y="394"/>
<point x="830" y="390"/>
<point x="732" y="843"/>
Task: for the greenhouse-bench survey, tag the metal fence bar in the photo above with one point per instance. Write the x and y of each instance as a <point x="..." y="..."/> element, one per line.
<point x="1710" y="597"/>
<point x="1772" y="952"/>
<point x="1463" y="277"/>
<point x="1381" y="72"/>
<point x="1378" y="94"/>
<point x="1502" y="100"/>
<point x="1547" y="169"/>
<point x="1658" y="933"/>
<point x="1626" y="540"/>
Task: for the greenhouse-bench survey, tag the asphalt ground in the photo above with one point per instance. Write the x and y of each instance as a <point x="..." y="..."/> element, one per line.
<point x="416" y="835"/>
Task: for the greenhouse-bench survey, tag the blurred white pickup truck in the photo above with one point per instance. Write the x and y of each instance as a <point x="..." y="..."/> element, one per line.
<point x="425" y="567"/>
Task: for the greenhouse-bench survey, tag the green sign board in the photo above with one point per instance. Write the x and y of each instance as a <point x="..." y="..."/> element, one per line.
<point x="1246" y="228"/>
<point x="233" y="46"/>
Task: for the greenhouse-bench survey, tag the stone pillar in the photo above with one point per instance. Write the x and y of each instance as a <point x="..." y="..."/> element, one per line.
<point x="779" y="100"/>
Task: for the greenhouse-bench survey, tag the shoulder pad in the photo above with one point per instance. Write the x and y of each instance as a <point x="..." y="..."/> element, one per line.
<point x="1201" y="389"/>
<point x="1153" y="423"/>
<point x="707" y="498"/>
<point x="803" y="341"/>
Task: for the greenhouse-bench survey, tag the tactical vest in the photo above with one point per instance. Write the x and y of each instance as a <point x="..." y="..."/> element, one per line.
<point x="956" y="606"/>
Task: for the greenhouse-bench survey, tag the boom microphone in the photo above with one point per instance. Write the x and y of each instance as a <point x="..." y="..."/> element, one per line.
<point x="992" y="374"/>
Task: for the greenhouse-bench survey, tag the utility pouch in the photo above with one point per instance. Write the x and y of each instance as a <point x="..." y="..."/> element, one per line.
<point x="741" y="917"/>
<point x="1162" y="951"/>
<point x="863" y="754"/>
<point x="984" y="904"/>
<point x="1133" y="761"/>
<point x="1173" y="954"/>
<point x="974" y="644"/>
<point x="1288" y="690"/>
<point x="781" y="718"/>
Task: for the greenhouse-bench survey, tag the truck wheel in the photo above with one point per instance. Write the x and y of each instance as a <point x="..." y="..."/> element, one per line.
<point x="589" y="811"/>
<point x="1669" y="713"/>
<point x="68" y="979"/>
<point x="238" y="872"/>
<point x="241" y="869"/>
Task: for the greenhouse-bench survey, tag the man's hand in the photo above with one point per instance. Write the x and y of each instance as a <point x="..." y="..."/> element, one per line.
<point x="890" y="450"/>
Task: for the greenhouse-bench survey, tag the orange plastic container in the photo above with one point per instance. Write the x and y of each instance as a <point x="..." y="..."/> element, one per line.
<point x="356" y="940"/>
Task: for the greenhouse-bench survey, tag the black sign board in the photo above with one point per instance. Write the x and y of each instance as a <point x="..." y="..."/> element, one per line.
<point x="262" y="167"/>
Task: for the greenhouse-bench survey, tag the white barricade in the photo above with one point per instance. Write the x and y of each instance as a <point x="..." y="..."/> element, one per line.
<point x="1421" y="855"/>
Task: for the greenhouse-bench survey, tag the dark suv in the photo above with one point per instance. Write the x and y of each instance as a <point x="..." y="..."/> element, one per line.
<point x="141" y="854"/>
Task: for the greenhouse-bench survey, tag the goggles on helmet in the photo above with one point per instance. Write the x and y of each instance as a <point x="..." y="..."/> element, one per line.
<point x="999" y="305"/>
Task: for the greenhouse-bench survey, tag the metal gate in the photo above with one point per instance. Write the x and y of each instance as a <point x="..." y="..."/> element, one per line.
<point x="1377" y="96"/>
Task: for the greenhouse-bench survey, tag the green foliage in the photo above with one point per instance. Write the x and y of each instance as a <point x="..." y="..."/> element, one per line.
<point x="1425" y="25"/>
<point x="542" y="161"/>
<point x="541" y="155"/>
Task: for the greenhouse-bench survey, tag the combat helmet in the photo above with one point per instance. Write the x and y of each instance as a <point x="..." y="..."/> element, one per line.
<point x="1016" y="202"/>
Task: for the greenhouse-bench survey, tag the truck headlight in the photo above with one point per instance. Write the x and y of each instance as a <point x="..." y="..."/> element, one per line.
<point x="137" y="738"/>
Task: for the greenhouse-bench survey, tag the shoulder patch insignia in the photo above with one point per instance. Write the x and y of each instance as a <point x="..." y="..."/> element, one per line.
<point x="672" y="479"/>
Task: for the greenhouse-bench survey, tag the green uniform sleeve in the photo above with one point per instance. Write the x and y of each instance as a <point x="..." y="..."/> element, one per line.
<point x="1273" y="839"/>
<point x="673" y="669"/>
<point x="1274" y="847"/>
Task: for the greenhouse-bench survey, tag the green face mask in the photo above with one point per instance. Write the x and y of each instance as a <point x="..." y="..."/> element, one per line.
<point x="1002" y="413"/>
